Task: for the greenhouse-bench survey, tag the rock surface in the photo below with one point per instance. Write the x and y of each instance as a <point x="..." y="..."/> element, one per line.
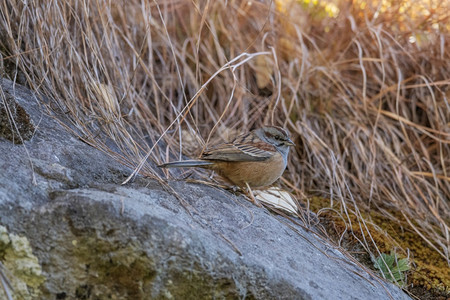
<point x="96" y="239"/>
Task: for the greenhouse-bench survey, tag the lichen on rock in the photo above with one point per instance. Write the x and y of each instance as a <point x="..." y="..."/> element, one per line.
<point x="24" y="270"/>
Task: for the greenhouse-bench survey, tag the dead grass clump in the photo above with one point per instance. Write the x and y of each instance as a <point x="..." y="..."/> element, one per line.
<point x="363" y="86"/>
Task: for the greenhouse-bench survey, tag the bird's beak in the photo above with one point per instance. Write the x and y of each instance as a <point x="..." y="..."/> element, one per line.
<point x="289" y="142"/>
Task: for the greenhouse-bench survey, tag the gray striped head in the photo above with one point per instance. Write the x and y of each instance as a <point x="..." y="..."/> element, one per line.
<point x="277" y="137"/>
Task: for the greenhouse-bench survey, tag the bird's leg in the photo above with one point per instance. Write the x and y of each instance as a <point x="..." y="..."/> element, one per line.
<point x="251" y="196"/>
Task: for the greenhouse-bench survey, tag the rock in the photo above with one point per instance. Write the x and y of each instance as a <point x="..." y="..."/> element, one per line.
<point x="96" y="239"/>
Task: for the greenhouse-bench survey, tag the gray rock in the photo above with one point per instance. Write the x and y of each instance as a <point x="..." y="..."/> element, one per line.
<point x="96" y="239"/>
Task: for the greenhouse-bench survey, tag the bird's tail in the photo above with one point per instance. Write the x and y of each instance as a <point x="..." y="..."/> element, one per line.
<point x="187" y="164"/>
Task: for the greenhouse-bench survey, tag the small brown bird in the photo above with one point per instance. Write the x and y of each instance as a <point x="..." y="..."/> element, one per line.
<point x="257" y="158"/>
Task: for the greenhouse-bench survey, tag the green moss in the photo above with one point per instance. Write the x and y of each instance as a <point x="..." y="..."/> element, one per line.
<point x="429" y="275"/>
<point x="23" y="128"/>
<point x="113" y="268"/>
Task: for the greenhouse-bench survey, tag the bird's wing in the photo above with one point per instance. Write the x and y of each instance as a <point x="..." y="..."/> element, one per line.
<point x="240" y="152"/>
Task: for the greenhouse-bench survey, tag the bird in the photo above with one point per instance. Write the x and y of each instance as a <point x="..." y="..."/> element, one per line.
<point x="255" y="159"/>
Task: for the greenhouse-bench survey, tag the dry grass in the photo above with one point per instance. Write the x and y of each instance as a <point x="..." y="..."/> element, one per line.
<point x="364" y="91"/>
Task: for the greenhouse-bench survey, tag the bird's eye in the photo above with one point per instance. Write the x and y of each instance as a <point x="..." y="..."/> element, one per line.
<point x="277" y="137"/>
